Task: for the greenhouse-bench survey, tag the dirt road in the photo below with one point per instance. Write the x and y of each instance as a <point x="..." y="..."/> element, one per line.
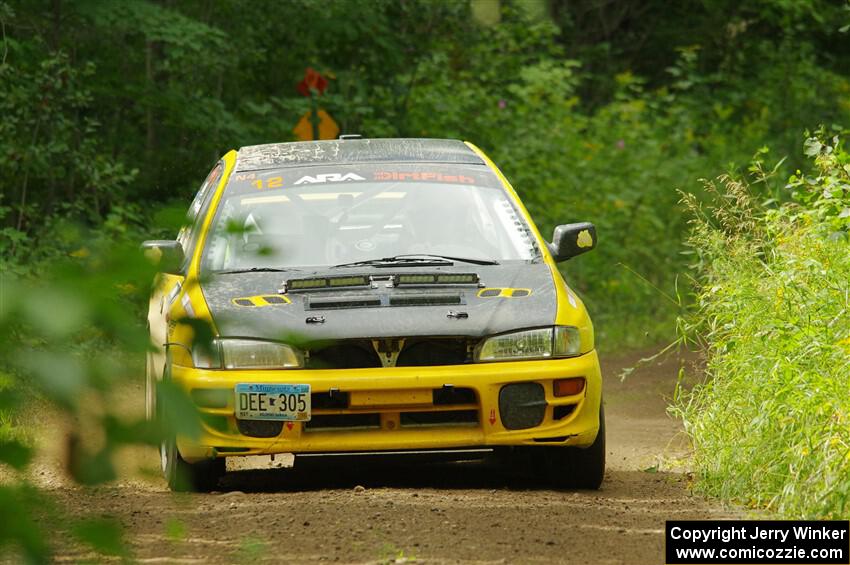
<point x="447" y="513"/>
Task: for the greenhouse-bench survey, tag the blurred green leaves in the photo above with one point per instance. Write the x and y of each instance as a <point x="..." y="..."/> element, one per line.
<point x="60" y="376"/>
<point x="72" y="341"/>
<point x="175" y="530"/>
<point x="17" y="526"/>
<point x="178" y="413"/>
<point x="103" y="535"/>
<point x="14" y="453"/>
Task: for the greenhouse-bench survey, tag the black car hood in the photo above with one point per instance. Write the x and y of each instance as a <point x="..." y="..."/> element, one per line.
<point x="346" y="317"/>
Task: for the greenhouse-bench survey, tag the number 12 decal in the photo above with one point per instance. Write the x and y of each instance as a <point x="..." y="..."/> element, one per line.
<point x="271" y="182"/>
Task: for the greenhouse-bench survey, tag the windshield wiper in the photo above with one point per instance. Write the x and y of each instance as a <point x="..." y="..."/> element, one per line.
<point x="418" y="260"/>
<point x="472" y="260"/>
<point x="253" y="270"/>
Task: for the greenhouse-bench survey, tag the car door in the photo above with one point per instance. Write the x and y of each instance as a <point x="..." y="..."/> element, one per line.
<point x="167" y="285"/>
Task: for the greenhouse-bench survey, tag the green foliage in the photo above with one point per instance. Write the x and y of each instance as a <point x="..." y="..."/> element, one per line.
<point x="68" y="341"/>
<point x="618" y="164"/>
<point x="17" y="503"/>
<point x="770" y="423"/>
<point x="52" y="161"/>
<point x="175" y="530"/>
<point x="826" y="195"/>
<point x="102" y="534"/>
<point x="14" y="453"/>
<point x="251" y="550"/>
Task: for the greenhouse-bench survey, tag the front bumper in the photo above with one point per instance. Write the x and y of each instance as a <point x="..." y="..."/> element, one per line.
<point x="568" y="421"/>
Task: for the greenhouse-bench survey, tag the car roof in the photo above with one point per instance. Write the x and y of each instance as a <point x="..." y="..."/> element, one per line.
<point x="400" y="150"/>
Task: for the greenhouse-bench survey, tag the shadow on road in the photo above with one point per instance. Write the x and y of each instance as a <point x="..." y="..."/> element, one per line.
<point x="330" y="473"/>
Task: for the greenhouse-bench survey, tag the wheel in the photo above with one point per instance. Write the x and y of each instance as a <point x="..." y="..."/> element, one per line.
<point x="180" y="475"/>
<point x="188" y="477"/>
<point x="150" y="389"/>
<point x="563" y="467"/>
<point x="579" y="468"/>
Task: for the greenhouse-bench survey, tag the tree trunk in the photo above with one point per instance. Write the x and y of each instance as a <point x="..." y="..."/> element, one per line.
<point x="56" y="34"/>
<point x="150" y="89"/>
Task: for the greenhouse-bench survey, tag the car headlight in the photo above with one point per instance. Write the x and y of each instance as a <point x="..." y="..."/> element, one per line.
<point x="542" y="343"/>
<point x="247" y="354"/>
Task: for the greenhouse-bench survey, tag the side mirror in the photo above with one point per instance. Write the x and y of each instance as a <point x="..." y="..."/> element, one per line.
<point x="570" y="240"/>
<point x="166" y="254"/>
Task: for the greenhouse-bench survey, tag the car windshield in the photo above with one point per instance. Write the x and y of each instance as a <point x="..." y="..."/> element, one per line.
<point x="324" y="217"/>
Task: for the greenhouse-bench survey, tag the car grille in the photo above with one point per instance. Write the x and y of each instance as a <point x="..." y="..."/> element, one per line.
<point x="417" y="352"/>
<point x="348" y="354"/>
<point x="450" y="406"/>
<point x="329" y="400"/>
<point x="447" y="418"/>
<point x="343" y="422"/>
<point x="430" y="352"/>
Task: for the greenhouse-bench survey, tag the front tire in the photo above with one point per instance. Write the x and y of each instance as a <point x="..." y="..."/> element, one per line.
<point x="180" y="475"/>
<point x="188" y="477"/>
<point x="578" y="468"/>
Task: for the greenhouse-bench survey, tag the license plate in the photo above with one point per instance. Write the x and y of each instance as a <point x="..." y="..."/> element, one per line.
<point x="273" y="402"/>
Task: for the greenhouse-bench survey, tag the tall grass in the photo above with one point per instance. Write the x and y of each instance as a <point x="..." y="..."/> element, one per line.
<point x="771" y="423"/>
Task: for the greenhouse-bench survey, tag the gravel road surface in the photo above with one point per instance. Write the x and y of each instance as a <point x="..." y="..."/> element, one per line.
<point x="331" y="511"/>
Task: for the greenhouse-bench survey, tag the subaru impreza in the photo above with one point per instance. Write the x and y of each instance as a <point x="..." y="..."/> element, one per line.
<point x="372" y="296"/>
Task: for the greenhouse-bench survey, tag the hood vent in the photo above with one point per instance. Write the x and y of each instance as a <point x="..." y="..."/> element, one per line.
<point x="425" y="300"/>
<point x="344" y="302"/>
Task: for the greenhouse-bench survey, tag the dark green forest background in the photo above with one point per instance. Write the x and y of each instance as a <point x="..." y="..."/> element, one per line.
<point x="597" y="111"/>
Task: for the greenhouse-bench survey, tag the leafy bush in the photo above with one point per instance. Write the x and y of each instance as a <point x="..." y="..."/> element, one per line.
<point x="771" y="423"/>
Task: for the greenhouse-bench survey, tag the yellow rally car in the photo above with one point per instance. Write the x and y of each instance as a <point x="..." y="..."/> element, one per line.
<point x="373" y="296"/>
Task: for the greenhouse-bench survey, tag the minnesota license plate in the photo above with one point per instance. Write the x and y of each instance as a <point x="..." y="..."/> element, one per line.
<point x="273" y="402"/>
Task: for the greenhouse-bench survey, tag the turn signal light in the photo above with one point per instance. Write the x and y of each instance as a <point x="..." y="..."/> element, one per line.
<point x="568" y="387"/>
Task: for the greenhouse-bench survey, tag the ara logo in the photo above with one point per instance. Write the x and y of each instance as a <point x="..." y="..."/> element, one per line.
<point x="329" y="177"/>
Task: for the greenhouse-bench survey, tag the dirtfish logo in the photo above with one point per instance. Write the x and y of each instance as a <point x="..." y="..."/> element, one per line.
<point x="329" y="177"/>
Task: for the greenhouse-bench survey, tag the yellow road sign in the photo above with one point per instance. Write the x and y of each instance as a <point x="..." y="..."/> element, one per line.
<point x="328" y="129"/>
